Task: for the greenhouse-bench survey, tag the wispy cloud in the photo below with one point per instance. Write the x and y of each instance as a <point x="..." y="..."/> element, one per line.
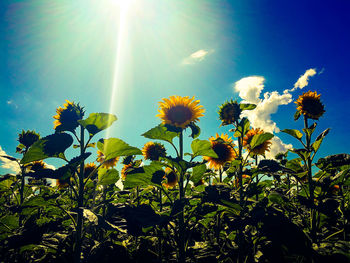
<point x="8" y="164"/>
<point x="250" y="89"/>
<point x="196" y="56"/>
<point x="11" y="102"/>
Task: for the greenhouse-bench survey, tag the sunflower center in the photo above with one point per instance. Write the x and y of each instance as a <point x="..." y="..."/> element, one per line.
<point x="312" y="106"/>
<point x="179" y="114"/>
<point x="223" y="152"/>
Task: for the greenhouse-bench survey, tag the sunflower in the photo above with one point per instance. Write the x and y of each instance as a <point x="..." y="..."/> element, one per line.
<point x="171" y="178"/>
<point x="125" y="170"/>
<point x="88" y="169"/>
<point x="223" y="147"/>
<point x="27" y="138"/>
<point x="260" y="149"/>
<point x="153" y="151"/>
<point x="229" y="112"/>
<point x="68" y="116"/>
<point x="37" y="165"/>
<point x="62" y="183"/>
<point x="180" y="111"/>
<point x="310" y="105"/>
<point x="106" y="164"/>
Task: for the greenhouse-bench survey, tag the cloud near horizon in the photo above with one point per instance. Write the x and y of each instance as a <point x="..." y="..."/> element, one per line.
<point x="250" y="89"/>
<point x="196" y="56"/>
<point x="8" y="164"/>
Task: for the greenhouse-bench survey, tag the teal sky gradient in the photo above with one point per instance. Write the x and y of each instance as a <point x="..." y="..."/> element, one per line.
<point x="52" y="50"/>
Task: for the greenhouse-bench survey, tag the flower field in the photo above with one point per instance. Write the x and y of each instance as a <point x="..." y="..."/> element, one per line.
<point x="222" y="201"/>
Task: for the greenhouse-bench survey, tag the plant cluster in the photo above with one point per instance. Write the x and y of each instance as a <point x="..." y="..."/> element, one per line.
<point x="221" y="202"/>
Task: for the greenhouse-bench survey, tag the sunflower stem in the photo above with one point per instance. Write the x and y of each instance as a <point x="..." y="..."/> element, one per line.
<point x="182" y="257"/>
<point x="78" y="243"/>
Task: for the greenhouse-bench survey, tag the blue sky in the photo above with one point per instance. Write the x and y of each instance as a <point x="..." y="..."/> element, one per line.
<point x="123" y="59"/>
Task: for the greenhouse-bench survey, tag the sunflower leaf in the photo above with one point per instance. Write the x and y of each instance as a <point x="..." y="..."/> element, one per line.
<point x="114" y="147"/>
<point x="295" y="133"/>
<point x="202" y="148"/>
<point x="259" y="139"/>
<point x="198" y="173"/>
<point x="107" y="176"/>
<point x="97" y="122"/>
<point x="297" y="115"/>
<point x="242" y="128"/>
<point x="247" y="106"/>
<point x="160" y="132"/>
<point x="50" y="146"/>
<point x="196" y="131"/>
<point x="143" y="176"/>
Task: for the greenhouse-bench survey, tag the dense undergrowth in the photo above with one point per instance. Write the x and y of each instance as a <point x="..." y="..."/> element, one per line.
<point x="222" y="202"/>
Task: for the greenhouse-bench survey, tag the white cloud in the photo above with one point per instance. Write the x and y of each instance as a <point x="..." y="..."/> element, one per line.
<point x="303" y="81"/>
<point x="196" y="56"/>
<point x="11" y="102"/>
<point x="8" y="164"/>
<point x="250" y="89"/>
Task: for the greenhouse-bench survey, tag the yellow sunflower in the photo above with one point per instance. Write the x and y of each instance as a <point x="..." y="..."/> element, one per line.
<point x="125" y="170"/>
<point x="229" y="112"/>
<point x="262" y="148"/>
<point x="62" y="183"/>
<point x="67" y="117"/>
<point x="223" y="147"/>
<point x="88" y="169"/>
<point x="153" y="151"/>
<point x="310" y="105"/>
<point x="171" y="178"/>
<point x="106" y="164"/>
<point x="180" y="111"/>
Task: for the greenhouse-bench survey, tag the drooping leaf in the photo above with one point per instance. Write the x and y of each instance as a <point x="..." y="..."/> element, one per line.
<point x="160" y="132"/>
<point x="107" y="176"/>
<point x="50" y="146"/>
<point x="114" y="147"/>
<point x="295" y="165"/>
<point x="247" y="106"/>
<point x="143" y="176"/>
<point x="97" y="122"/>
<point x="259" y="139"/>
<point x="196" y="131"/>
<point x="198" y="172"/>
<point x="297" y="115"/>
<point x="295" y="133"/>
<point x="202" y="148"/>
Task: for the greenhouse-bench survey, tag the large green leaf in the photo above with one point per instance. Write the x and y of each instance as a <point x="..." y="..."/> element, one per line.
<point x="202" y="148"/>
<point x="97" y="122"/>
<point x="259" y="139"/>
<point x="144" y="176"/>
<point x="160" y="132"/>
<point x="114" y="147"/>
<point x="50" y="146"/>
<point x="295" y="133"/>
<point x="107" y="176"/>
<point x="198" y="173"/>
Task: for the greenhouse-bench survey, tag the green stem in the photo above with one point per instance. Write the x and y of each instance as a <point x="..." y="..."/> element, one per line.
<point x="182" y="257"/>
<point x="78" y="238"/>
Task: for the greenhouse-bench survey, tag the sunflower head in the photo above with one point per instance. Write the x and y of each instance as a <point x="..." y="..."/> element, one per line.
<point x="67" y="117"/>
<point x="106" y="164"/>
<point x="229" y="112"/>
<point x="179" y="111"/>
<point x="126" y="168"/>
<point x="153" y="151"/>
<point x="310" y="105"/>
<point x="223" y="147"/>
<point x="27" y="138"/>
<point x="37" y="166"/>
<point x="258" y="150"/>
<point x="62" y="183"/>
<point x="171" y="178"/>
<point x="88" y="169"/>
